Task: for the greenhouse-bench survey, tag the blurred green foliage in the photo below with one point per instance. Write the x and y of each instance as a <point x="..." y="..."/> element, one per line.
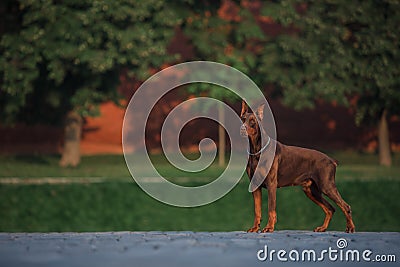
<point x="335" y="51"/>
<point x="64" y="55"/>
<point x="228" y="38"/>
<point x="58" y="56"/>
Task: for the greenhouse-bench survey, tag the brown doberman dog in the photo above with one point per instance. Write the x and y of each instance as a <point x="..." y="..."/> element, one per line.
<point x="311" y="169"/>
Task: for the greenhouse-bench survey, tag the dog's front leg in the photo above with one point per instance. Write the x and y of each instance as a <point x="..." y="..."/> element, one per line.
<point x="257" y="197"/>
<point x="271" y="208"/>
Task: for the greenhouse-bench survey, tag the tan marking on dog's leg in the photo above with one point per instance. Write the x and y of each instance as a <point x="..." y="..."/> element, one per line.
<point x="257" y="197"/>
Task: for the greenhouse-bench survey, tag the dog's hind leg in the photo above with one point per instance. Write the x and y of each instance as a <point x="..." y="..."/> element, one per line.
<point x="312" y="192"/>
<point x="333" y="194"/>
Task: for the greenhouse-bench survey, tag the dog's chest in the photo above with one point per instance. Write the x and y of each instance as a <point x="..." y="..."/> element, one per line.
<point x="252" y="165"/>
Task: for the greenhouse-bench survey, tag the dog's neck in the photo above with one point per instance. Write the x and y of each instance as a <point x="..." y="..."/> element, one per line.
<point x="255" y="141"/>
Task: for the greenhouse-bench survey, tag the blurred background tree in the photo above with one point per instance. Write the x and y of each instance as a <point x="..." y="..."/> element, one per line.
<point x="225" y="32"/>
<point x="61" y="59"/>
<point x="338" y="51"/>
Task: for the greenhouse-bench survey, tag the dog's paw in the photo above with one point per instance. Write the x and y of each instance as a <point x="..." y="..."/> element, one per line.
<point x="320" y="229"/>
<point x="350" y="229"/>
<point x="253" y="229"/>
<point x="267" y="230"/>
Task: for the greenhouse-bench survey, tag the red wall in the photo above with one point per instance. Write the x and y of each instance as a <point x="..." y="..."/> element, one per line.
<point x="326" y="127"/>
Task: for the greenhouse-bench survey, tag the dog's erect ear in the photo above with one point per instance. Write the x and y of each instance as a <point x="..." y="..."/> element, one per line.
<point x="260" y="111"/>
<point x="244" y="108"/>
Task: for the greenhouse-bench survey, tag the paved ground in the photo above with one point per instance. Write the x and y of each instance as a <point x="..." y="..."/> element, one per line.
<point x="194" y="249"/>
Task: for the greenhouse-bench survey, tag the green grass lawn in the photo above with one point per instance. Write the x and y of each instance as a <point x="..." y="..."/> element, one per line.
<point x="120" y="205"/>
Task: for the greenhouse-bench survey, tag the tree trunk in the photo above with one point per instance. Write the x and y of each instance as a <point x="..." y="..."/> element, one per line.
<point x="221" y="136"/>
<point x="71" y="155"/>
<point x="385" y="157"/>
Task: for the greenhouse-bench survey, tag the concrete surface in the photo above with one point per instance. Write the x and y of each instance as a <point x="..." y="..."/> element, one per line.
<point x="189" y="248"/>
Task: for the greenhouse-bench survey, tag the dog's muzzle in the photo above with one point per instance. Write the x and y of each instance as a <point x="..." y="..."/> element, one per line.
<point x="243" y="130"/>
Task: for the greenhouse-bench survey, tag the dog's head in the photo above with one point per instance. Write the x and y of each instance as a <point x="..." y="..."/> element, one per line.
<point x="250" y="120"/>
